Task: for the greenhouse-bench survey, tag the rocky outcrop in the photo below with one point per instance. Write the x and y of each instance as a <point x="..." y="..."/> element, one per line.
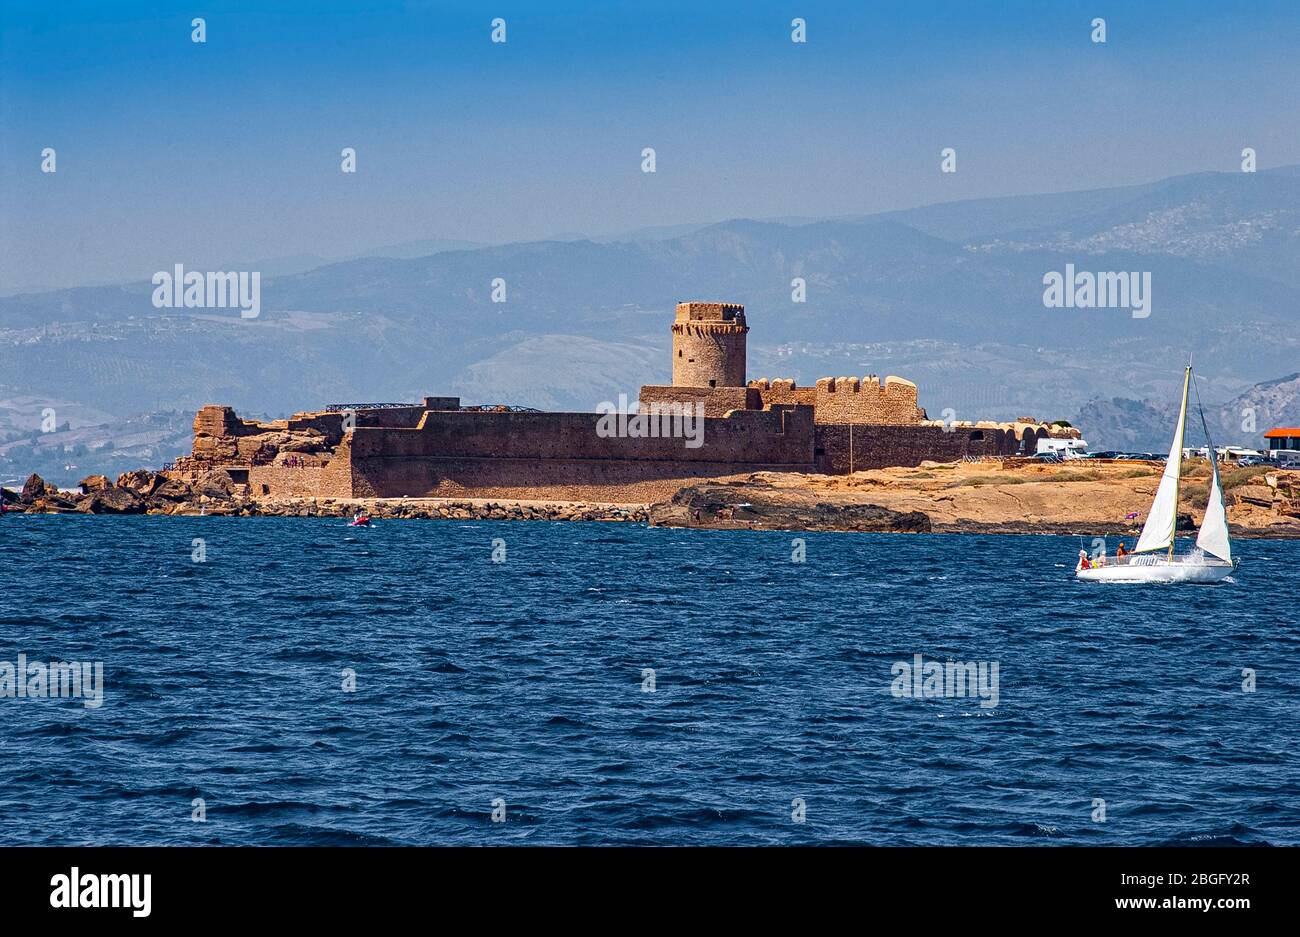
<point x="93" y="483"/>
<point x="36" y="487"/>
<point x="142" y="481"/>
<point x="217" y="485"/>
<point x="221" y="436"/>
<point x="110" y="500"/>
<point x="171" y="490"/>
<point x="265" y="447"/>
<point x="755" y="505"/>
<point x="136" y="492"/>
<point x="1259" y="495"/>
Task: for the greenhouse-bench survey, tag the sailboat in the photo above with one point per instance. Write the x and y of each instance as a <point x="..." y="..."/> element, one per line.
<point x="1153" y="559"/>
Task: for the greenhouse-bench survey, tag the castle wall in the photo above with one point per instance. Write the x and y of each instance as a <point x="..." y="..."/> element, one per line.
<point x="330" y="425"/>
<point x="547" y="454"/>
<point x="782" y="435"/>
<point x="880" y="445"/>
<point x="641" y="482"/>
<point x="717" y="401"/>
<point x="391" y="417"/>
<point x="784" y="391"/>
<point x="275" y="481"/>
<point x="848" y="399"/>
<point x="336" y="475"/>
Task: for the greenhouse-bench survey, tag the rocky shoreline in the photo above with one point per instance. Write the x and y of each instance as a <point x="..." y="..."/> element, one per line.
<point x="962" y="501"/>
<point x="216" y="495"/>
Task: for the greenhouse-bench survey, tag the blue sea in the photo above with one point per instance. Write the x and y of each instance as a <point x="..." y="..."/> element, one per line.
<point x="618" y="684"/>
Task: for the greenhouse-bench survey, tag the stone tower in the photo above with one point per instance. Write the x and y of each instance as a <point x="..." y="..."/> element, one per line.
<point x="709" y="345"/>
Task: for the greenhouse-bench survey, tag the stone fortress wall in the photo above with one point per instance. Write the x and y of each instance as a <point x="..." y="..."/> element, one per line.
<point x="514" y="454"/>
<point x="436" y="448"/>
<point x="849" y="400"/>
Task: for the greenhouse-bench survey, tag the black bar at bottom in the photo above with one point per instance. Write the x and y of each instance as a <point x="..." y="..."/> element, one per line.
<point x="215" y="885"/>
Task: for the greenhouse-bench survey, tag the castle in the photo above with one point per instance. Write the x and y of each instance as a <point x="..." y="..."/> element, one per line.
<point x="438" y="448"/>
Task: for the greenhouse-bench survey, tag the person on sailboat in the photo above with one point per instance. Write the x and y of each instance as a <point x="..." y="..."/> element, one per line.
<point x="1083" y="560"/>
<point x="1120" y="552"/>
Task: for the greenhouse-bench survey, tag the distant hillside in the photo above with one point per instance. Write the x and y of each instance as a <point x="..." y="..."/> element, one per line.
<point x="1146" y="425"/>
<point x="1269" y="404"/>
<point x="948" y="295"/>
<point x="69" y="453"/>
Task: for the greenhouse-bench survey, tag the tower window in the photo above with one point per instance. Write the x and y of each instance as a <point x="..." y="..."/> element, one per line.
<point x="713" y="383"/>
<point x="679" y="353"/>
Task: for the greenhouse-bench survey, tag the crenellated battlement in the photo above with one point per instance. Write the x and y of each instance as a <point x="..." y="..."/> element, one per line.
<point x="848" y="399"/>
<point x="731" y="313"/>
<point x="866" y="400"/>
<point x="870" y="383"/>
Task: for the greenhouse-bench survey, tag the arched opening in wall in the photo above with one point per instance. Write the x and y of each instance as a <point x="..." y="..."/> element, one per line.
<point x="1029" y="442"/>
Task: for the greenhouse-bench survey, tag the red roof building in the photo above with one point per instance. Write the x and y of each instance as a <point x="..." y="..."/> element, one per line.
<point x="1283" y="437"/>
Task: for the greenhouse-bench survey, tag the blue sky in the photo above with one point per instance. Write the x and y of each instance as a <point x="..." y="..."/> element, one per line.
<point x="171" y="151"/>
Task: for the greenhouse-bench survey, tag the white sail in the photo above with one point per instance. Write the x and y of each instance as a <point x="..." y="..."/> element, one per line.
<point x="1213" y="537"/>
<point x="1158" y="531"/>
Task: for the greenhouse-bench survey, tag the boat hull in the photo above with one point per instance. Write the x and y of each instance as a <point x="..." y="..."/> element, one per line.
<point x="1163" y="571"/>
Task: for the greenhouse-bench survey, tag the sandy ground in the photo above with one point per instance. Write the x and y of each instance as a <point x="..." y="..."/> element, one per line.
<point x="1076" y="495"/>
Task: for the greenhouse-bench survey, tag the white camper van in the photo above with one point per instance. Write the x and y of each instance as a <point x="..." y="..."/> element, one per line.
<point x="1065" y="448"/>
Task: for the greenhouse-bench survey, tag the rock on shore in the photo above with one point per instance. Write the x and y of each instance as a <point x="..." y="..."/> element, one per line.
<point x="756" y="505"/>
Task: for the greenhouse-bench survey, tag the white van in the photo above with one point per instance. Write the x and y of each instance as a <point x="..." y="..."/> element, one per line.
<point x="1065" y="448"/>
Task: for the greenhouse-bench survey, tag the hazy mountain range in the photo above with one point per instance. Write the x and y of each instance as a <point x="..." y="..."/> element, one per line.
<point x="947" y="295"/>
